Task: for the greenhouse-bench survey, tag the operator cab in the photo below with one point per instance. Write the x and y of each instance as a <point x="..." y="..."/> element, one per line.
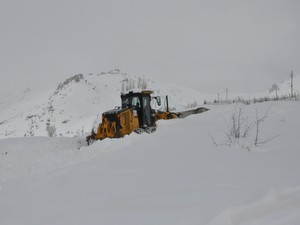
<point x="140" y="101"/>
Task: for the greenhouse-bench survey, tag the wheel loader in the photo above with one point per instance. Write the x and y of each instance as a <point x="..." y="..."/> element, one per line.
<point x="134" y="115"/>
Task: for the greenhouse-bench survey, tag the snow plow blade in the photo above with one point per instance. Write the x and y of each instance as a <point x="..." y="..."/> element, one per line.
<point x="184" y="114"/>
<point x="160" y="115"/>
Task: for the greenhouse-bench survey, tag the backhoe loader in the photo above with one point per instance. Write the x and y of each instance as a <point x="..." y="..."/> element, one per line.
<point x="134" y="115"/>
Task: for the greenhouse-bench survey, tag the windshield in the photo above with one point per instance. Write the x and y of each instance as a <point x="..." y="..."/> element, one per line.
<point x="131" y="102"/>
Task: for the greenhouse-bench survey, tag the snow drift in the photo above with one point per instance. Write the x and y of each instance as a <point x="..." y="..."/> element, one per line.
<point x="173" y="176"/>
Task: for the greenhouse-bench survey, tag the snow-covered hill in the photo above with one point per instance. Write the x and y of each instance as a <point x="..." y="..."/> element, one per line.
<point x="73" y="106"/>
<point x="176" y="175"/>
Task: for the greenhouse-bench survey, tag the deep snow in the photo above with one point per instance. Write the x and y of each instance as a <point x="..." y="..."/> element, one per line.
<point x="173" y="176"/>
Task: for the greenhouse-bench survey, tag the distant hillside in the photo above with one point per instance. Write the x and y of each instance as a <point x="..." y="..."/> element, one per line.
<point x="75" y="103"/>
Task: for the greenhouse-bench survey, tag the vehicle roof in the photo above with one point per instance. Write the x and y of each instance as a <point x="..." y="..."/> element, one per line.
<point x="147" y="92"/>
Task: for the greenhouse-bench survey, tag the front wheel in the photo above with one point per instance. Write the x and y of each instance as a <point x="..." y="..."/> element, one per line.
<point x="148" y="130"/>
<point x="91" y="138"/>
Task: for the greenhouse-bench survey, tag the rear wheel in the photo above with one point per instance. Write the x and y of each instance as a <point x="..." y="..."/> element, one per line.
<point x="91" y="138"/>
<point x="148" y="130"/>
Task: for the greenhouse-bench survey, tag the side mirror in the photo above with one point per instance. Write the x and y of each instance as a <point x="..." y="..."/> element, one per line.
<point x="158" y="100"/>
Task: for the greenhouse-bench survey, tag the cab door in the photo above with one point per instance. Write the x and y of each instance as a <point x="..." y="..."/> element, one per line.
<point x="146" y="111"/>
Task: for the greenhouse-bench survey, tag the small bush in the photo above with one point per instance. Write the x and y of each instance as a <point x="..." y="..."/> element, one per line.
<point x="51" y="130"/>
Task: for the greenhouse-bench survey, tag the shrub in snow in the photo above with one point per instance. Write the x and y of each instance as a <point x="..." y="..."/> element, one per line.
<point x="51" y="130"/>
<point x="237" y="126"/>
<point x="192" y="105"/>
<point x="239" y="131"/>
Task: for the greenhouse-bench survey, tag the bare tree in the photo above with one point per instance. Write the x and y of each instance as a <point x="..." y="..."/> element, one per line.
<point x="275" y="88"/>
<point x="237" y="127"/>
<point x="257" y="123"/>
<point x="292" y="84"/>
<point x="226" y="95"/>
<point x="142" y="83"/>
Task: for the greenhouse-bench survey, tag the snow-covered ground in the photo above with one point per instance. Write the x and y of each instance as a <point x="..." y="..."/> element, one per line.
<point x="176" y="175"/>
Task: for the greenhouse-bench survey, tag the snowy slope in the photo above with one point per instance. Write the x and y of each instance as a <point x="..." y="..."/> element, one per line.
<point x="73" y="106"/>
<point x="173" y="176"/>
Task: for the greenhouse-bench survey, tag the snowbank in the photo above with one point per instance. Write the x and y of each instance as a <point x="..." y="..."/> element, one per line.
<point x="173" y="176"/>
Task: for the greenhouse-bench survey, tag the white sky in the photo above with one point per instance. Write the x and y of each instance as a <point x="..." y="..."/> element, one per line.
<point x="209" y="45"/>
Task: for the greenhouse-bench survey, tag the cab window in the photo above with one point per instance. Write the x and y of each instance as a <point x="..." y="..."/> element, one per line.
<point x="136" y="102"/>
<point x="125" y="102"/>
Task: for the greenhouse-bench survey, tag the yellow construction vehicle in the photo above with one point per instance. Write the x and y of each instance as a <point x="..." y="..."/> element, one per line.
<point x="135" y="115"/>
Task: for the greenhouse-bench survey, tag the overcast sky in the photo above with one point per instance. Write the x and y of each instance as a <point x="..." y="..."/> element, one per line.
<point x="209" y="45"/>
